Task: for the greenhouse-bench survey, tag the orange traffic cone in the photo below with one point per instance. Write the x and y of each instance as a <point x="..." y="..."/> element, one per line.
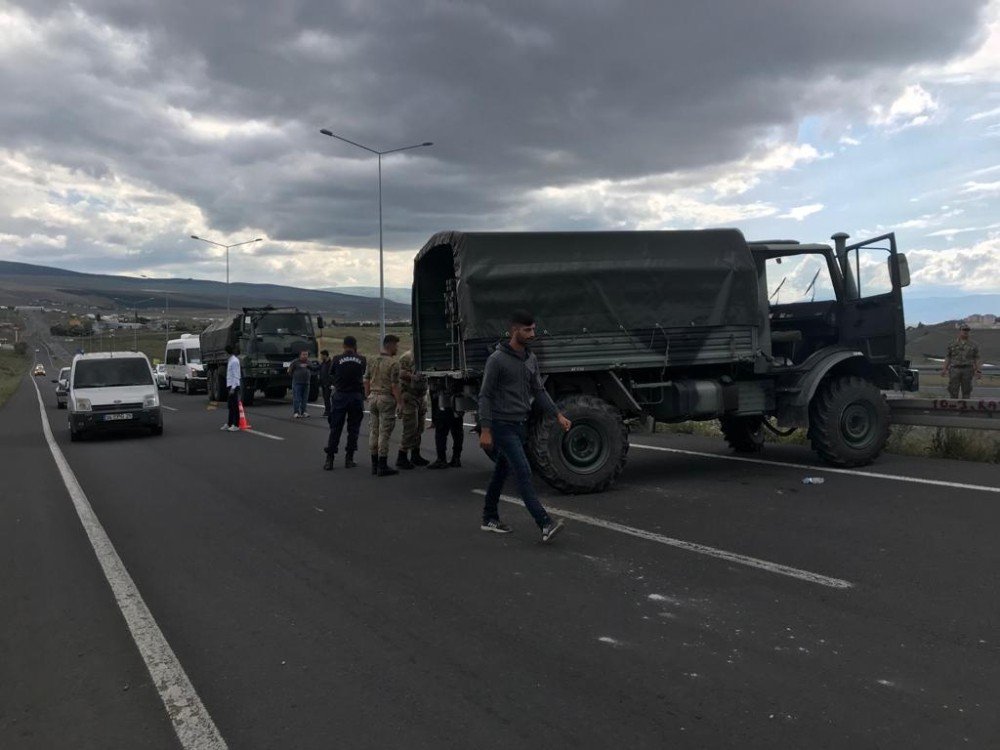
<point x="244" y="425"/>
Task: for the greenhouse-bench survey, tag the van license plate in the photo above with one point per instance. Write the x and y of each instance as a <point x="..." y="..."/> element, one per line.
<point x="117" y="417"/>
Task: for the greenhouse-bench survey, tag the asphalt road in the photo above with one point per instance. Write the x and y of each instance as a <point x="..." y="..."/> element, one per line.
<point x="317" y="610"/>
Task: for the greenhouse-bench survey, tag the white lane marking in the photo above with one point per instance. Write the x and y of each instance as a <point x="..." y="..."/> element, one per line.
<point x="191" y="721"/>
<point x="828" y="469"/>
<point x="262" y="434"/>
<point x="169" y="408"/>
<point x="701" y="549"/>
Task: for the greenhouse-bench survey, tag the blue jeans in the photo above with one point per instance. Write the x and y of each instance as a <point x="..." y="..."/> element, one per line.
<point x="300" y="394"/>
<point x="508" y="443"/>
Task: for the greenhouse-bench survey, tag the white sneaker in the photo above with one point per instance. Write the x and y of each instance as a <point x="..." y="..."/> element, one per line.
<point x="295" y="415"/>
<point x="305" y="415"/>
<point x="224" y="427"/>
<point x="234" y="428"/>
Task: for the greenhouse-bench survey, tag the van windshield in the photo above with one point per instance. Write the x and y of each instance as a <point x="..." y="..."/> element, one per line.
<point x="108" y="373"/>
<point x="194" y="356"/>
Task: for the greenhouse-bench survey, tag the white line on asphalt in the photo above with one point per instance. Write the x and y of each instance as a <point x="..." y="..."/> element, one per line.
<point x="169" y="408"/>
<point x="828" y="469"/>
<point x="262" y="434"/>
<point x="701" y="549"/>
<point x="191" y="721"/>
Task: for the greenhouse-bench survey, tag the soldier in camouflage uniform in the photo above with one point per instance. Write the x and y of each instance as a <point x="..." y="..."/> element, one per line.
<point x="961" y="363"/>
<point x="382" y="391"/>
<point x="413" y="412"/>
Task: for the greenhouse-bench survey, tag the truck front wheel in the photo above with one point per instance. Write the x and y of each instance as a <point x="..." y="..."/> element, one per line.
<point x="744" y="434"/>
<point x="247" y="392"/>
<point x="848" y="421"/>
<point x="590" y="456"/>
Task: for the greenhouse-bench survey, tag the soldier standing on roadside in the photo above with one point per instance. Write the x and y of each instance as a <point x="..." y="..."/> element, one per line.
<point x="347" y="403"/>
<point x="961" y="363"/>
<point x="382" y="392"/>
<point x="412" y="411"/>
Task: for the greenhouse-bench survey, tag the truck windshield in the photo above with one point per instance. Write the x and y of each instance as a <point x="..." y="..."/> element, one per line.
<point x="799" y="278"/>
<point x="285" y="324"/>
<point x="108" y="373"/>
<point x="193" y="356"/>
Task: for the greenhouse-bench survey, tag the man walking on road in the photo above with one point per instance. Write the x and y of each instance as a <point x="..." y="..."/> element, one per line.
<point x="301" y="374"/>
<point x="324" y="380"/>
<point x="233" y="378"/>
<point x="447" y="422"/>
<point x="412" y="411"/>
<point x="347" y="372"/>
<point x="961" y="363"/>
<point x="382" y="392"/>
<point x="510" y="379"/>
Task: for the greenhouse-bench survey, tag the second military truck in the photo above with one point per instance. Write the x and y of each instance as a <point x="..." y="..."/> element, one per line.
<point x="644" y="327"/>
<point x="267" y="339"/>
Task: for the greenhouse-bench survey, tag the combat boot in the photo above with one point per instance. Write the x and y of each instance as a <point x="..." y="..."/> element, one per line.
<point x="402" y="462"/>
<point x="374" y="464"/>
<point x="383" y="467"/>
<point x="328" y="465"/>
<point x="416" y="459"/>
<point x="349" y="461"/>
<point x="439" y="464"/>
<point x="456" y="461"/>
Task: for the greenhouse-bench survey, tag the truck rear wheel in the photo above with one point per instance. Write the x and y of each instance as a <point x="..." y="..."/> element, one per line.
<point x="848" y="421"/>
<point x="590" y="456"/>
<point x="313" y="392"/>
<point x="247" y="392"/>
<point x="744" y="434"/>
<point x="277" y="391"/>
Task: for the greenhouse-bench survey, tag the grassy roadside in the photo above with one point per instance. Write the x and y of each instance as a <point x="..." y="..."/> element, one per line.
<point x="12" y="368"/>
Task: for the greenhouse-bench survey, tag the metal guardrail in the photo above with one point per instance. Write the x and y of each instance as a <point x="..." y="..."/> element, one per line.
<point x="973" y="414"/>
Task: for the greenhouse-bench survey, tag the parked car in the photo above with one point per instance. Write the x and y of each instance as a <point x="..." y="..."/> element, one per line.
<point x="112" y="390"/>
<point x="62" y="388"/>
<point x="39" y="370"/>
<point x="161" y="376"/>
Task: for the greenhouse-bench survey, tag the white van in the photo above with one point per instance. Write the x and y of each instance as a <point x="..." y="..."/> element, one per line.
<point x="183" y="364"/>
<point x="112" y="390"/>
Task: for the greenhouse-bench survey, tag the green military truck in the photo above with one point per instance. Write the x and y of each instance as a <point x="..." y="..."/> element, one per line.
<point x="267" y="339"/>
<point x="636" y="328"/>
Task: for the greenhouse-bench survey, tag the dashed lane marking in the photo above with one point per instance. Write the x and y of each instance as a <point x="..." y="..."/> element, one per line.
<point x="190" y="719"/>
<point x="258" y="433"/>
<point x="701" y="549"/>
<point x="169" y="408"/>
<point x="827" y="469"/>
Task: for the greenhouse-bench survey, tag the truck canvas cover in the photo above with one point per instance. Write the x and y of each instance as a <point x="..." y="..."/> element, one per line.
<point x="593" y="282"/>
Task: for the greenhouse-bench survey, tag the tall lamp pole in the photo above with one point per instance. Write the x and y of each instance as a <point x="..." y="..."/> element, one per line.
<point x="219" y="244"/>
<point x="381" y="263"/>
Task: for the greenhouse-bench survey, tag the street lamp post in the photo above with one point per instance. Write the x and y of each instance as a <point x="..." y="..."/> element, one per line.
<point x="219" y="244"/>
<point x="381" y="263"/>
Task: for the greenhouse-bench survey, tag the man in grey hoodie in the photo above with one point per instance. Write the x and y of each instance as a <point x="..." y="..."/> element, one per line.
<point x="511" y="381"/>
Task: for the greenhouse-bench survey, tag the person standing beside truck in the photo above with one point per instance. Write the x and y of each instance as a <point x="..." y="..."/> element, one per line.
<point x="301" y="372"/>
<point x="447" y="422"/>
<point x="412" y="411"/>
<point x="382" y="392"/>
<point x="347" y="373"/>
<point x="324" y="380"/>
<point x="233" y="377"/>
<point x="510" y="379"/>
<point x="961" y="364"/>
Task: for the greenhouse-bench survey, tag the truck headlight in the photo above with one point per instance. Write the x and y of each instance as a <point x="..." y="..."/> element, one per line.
<point x="150" y="401"/>
<point x="83" y="404"/>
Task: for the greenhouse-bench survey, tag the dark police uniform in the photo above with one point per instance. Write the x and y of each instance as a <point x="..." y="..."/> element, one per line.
<point x="347" y="371"/>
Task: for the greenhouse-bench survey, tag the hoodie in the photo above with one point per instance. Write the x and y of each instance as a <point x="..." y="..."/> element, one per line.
<point x="511" y="381"/>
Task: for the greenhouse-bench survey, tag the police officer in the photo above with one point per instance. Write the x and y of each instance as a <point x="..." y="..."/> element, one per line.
<point x="961" y="363"/>
<point x="382" y="391"/>
<point x="347" y="403"/>
<point x="412" y="411"/>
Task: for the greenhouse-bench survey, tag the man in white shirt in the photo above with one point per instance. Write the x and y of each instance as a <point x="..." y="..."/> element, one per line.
<point x="233" y="377"/>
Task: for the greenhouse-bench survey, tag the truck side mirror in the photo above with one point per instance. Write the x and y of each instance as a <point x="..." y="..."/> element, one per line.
<point x="901" y="272"/>
<point x="319" y="322"/>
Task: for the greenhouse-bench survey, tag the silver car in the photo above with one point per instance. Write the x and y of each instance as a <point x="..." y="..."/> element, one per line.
<point x="161" y="377"/>
<point x="62" y="388"/>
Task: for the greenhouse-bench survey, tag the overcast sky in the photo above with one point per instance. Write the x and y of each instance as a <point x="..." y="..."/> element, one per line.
<point x="128" y="125"/>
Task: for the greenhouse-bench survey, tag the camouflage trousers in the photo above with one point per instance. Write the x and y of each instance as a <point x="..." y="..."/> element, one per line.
<point x="414" y="416"/>
<point x="382" y="420"/>
<point x="959" y="378"/>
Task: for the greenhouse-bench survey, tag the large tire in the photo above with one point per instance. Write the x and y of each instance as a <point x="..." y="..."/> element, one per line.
<point x="313" y="391"/>
<point x="590" y="456"/>
<point x="247" y="392"/>
<point x="848" y="421"/>
<point x="212" y="385"/>
<point x="744" y="434"/>
<point x="277" y="392"/>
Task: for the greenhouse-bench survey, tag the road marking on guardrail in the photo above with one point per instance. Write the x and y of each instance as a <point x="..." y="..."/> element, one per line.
<point x="701" y="549"/>
<point x="190" y="719"/>
<point x="827" y="469"/>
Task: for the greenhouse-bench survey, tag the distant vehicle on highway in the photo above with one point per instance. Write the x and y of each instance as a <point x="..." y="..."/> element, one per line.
<point x="184" y="368"/>
<point x="62" y="388"/>
<point x="39" y="370"/>
<point x="161" y="376"/>
<point x="112" y="390"/>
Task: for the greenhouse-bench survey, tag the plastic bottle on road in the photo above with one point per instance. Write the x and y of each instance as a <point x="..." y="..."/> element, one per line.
<point x="813" y="480"/>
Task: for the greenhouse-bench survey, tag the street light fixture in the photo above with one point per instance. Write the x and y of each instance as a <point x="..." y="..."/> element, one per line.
<point x="381" y="264"/>
<point x="219" y="244"/>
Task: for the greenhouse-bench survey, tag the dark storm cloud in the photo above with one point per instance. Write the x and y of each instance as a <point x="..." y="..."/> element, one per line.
<point x="515" y="95"/>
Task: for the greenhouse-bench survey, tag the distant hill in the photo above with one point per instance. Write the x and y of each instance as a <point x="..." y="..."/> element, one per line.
<point x="928" y="310"/>
<point x="28" y="284"/>
<point x="932" y="342"/>
<point x="395" y="293"/>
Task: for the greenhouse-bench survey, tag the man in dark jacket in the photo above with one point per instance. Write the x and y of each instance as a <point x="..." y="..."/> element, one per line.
<point x="347" y="371"/>
<point x="511" y="381"/>
<point x="324" y="380"/>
